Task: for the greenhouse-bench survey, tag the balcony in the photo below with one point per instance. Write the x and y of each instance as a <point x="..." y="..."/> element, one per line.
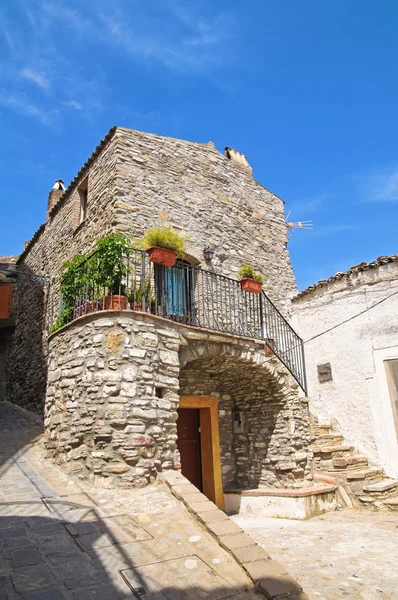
<point x="192" y="296"/>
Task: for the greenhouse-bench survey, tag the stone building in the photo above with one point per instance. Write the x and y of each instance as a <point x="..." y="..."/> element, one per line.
<point x="7" y="280"/>
<point x="349" y="324"/>
<point x="113" y="383"/>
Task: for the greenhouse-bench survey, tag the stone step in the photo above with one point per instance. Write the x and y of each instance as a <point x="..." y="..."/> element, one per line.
<point x="324" y="428"/>
<point x="392" y="503"/>
<point x="333" y="451"/>
<point x="367" y="474"/>
<point x="350" y="463"/>
<point x="385" y="485"/>
<point x="330" y="439"/>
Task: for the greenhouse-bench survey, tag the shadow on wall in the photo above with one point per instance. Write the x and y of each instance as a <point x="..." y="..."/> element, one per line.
<point x="26" y="370"/>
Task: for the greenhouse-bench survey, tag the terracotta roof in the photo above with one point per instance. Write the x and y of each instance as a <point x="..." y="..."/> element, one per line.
<point x="64" y="196"/>
<point x="382" y="260"/>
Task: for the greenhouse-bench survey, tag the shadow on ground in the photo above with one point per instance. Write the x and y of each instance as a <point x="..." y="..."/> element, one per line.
<point x="44" y="558"/>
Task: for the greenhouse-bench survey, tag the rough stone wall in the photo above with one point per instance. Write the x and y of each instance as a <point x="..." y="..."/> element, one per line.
<point x="273" y="448"/>
<point x="212" y="198"/>
<point x="106" y="421"/>
<point x="352" y="323"/>
<point x="135" y="178"/>
<point x="103" y="418"/>
<point x="58" y="241"/>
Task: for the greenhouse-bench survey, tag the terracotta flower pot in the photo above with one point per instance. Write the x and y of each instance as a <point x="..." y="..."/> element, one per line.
<point x="269" y="345"/>
<point x="251" y="285"/>
<point x="86" y="308"/>
<point x="115" y="302"/>
<point x="138" y="306"/>
<point x="162" y="256"/>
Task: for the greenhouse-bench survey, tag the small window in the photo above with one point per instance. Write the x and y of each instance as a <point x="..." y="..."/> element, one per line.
<point x="83" y="192"/>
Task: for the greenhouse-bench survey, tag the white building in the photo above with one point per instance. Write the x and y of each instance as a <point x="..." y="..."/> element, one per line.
<point x="349" y="324"/>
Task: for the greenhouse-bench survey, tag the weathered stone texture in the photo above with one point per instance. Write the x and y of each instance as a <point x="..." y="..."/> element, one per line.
<point x="350" y="322"/>
<point x="106" y="421"/>
<point x="209" y="196"/>
<point x="102" y="414"/>
<point x="273" y="448"/>
<point x="134" y="179"/>
<point x="58" y="241"/>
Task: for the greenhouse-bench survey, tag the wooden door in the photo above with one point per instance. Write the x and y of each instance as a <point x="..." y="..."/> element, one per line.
<point x="188" y="431"/>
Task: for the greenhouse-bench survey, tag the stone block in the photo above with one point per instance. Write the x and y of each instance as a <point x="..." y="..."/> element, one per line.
<point x="250" y="554"/>
<point x="200" y="507"/>
<point x="213" y="516"/>
<point x="236" y="540"/>
<point x="223" y="527"/>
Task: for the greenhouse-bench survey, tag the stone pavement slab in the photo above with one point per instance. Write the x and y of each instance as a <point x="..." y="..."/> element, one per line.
<point x="64" y="540"/>
<point x="349" y="554"/>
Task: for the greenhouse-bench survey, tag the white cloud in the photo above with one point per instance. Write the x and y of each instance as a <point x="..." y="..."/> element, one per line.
<point x="308" y="205"/>
<point x="38" y="78"/>
<point x="73" y="104"/>
<point x="20" y="103"/>
<point x="380" y="185"/>
<point x="177" y="36"/>
<point x="332" y="229"/>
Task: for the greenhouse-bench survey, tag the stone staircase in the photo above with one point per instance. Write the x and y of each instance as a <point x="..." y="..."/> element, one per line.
<point x="335" y="459"/>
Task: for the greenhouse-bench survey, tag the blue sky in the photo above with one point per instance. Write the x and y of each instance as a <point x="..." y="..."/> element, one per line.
<point x="307" y="90"/>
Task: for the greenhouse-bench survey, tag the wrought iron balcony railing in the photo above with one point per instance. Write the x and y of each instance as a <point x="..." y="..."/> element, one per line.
<point x="196" y="297"/>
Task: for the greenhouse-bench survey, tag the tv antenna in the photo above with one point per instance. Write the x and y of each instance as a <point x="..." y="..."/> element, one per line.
<point x="292" y="225"/>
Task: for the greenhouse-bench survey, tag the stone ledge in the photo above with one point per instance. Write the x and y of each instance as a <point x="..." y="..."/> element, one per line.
<point x="269" y="577"/>
<point x="285" y="492"/>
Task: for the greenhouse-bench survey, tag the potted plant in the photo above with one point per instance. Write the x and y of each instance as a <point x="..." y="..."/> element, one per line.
<point x="109" y="269"/>
<point x="250" y="280"/>
<point x="137" y="293"/>
<point x="164" y="244"/>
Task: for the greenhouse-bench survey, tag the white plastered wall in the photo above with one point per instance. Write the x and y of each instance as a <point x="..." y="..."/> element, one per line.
<point x="352" y="323"/>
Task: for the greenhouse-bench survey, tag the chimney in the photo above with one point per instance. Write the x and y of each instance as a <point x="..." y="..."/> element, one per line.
<point x="238" y="160"/>
<point x="54" y="195"/>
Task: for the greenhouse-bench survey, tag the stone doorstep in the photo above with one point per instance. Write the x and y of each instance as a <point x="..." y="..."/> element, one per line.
<point x="285" y="492"/>
<point x="269" y="577"/>
<point x="381" y="486"/>
<point x="366" y="474"/>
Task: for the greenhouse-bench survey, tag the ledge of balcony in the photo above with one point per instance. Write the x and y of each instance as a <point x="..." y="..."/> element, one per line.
<point x="191" y="332"/>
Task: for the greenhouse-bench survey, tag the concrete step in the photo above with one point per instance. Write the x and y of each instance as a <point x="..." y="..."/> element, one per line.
<point x="350" y="463"/>
<point x="370" y="475"/>
<point x="385" y="485"/>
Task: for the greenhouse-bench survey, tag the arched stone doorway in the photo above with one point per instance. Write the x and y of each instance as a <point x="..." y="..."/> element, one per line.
<point x="263" y="424"/>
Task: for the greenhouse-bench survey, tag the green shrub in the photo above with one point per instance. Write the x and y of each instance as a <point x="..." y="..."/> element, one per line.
<point x="165" y="237"/>
<point x="247" y="272"/>
<point x="107" y="266"/>
<point x="137" y="292"/>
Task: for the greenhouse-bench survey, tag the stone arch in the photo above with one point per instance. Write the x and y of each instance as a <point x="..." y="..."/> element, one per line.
<point x="269" y="446"/>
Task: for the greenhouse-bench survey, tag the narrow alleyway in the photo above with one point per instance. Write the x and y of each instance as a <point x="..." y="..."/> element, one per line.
<point x="347" y="555"/>
<point x="59" y="541"/>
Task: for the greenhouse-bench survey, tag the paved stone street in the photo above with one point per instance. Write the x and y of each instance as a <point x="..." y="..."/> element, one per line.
<point x="347" y="554"/>
<point x="63" y="541"/>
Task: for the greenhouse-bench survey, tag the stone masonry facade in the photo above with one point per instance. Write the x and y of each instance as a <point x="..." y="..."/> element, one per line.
<point x="106" y="421"/>
<point x="271" y="448"/>
<point x="133" y="180"/>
